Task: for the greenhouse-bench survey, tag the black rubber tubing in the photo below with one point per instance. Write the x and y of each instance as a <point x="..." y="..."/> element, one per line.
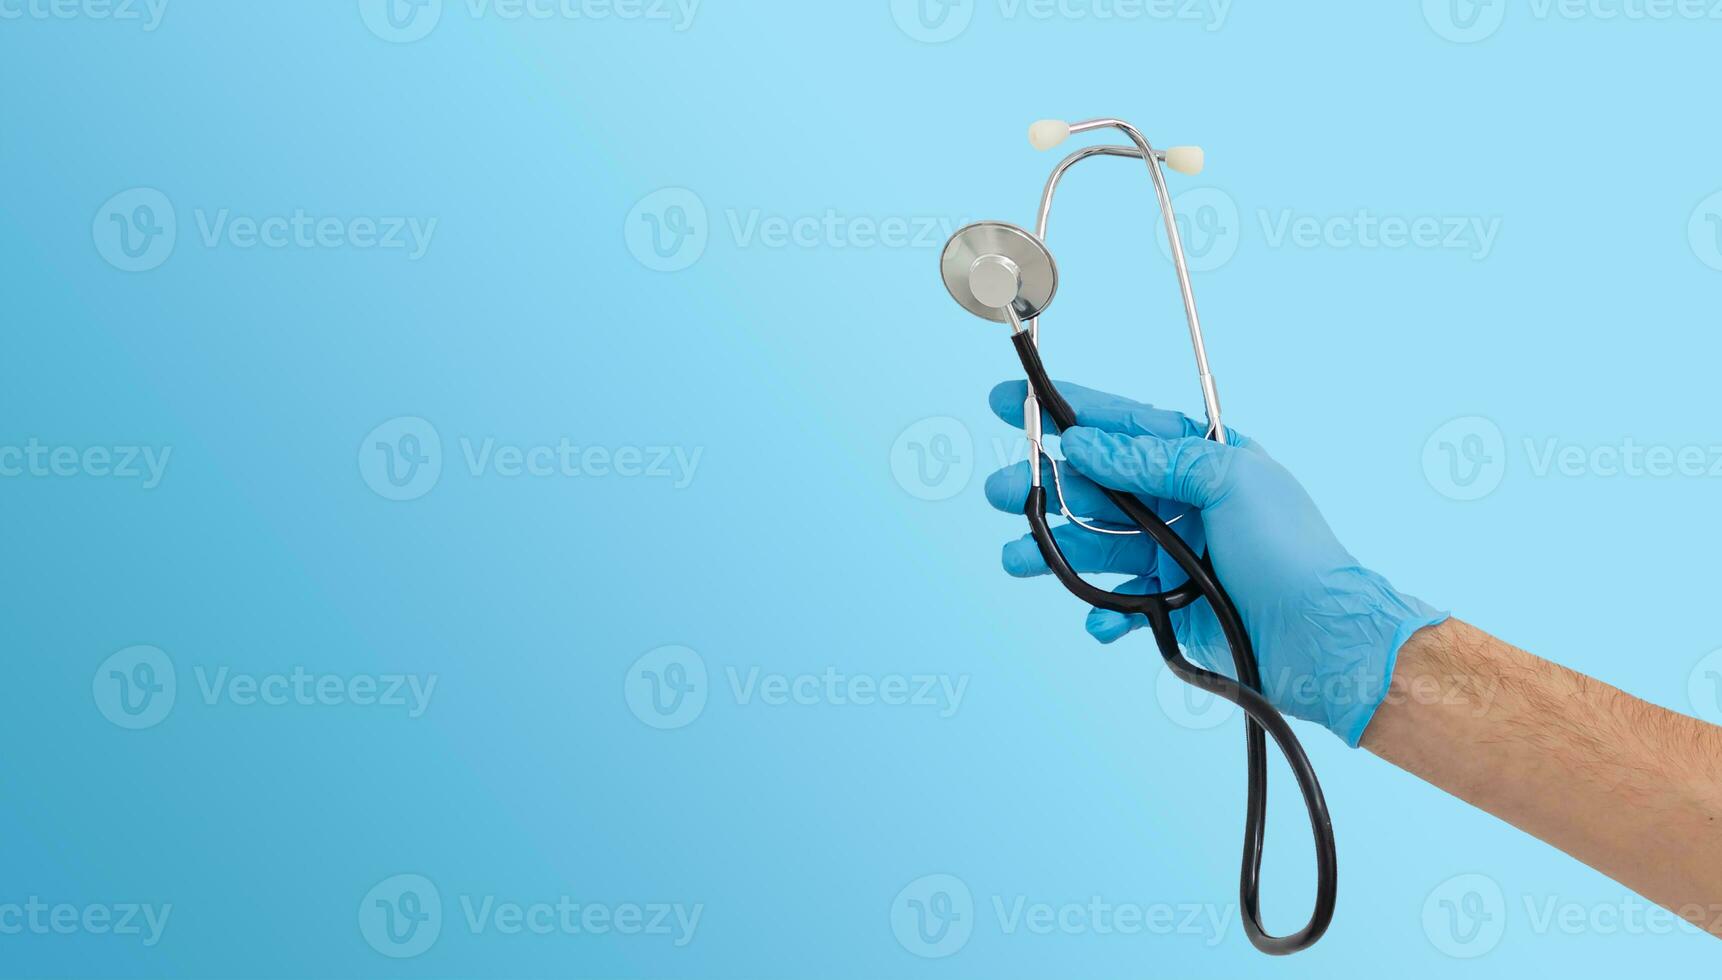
<point x="1245" y="692"/>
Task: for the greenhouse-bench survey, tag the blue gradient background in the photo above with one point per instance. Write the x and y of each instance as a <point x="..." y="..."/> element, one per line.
<point x="794" y="370"/>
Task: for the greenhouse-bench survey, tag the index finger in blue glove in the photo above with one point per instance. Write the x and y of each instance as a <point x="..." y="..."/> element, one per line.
<point x="1007" y="490"/>
<point x="1101" y="410"/>
<point x="1190" y="470"/>
<point x="1085" y="550"/>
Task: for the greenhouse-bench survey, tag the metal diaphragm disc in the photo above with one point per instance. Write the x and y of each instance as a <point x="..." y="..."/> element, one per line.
<point x="1039" y="274"/>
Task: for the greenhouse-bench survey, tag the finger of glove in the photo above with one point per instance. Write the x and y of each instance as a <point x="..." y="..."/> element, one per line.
<point x="1085" y="550"/>
<point x="1190" y="470"/>
<point x="1007" y="489"/>
<point x="1108" y="626"/>
<point x="1103" y="410"/>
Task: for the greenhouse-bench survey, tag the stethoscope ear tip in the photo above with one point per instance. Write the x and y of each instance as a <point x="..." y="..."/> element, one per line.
<point x="1186" y="159"/>
<point x="1048" y="133"/>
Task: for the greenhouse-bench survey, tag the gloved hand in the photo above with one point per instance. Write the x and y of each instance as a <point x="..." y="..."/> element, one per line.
<point x="1326" y="630"/>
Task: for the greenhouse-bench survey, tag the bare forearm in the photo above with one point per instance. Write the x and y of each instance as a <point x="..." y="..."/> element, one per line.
<point x="1628" y="788"/>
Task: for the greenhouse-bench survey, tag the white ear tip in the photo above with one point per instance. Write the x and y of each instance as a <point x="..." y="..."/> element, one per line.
<point x="1048" y="133"/>
<point x="1185" y="159"/>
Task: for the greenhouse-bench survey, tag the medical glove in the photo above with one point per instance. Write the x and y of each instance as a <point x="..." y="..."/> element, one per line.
<point x="1326" y="630"/>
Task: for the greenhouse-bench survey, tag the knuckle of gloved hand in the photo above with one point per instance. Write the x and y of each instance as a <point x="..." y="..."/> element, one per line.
<point x="1141" y="419"/>
<point x="1201" y="471"/>
<point x="1135" y="461"/>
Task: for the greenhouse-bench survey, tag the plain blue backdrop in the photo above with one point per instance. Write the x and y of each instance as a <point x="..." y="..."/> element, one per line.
<point x="586" y="365"/>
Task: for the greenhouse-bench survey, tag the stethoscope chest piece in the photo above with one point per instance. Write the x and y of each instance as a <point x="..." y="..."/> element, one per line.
<point x="990" y="263"/>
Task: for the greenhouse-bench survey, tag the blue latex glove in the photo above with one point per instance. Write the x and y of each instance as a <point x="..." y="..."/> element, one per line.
<point x="1326" y="630"/>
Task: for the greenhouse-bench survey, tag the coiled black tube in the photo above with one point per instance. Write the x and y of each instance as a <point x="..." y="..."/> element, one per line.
<point x="1262" y="718"/>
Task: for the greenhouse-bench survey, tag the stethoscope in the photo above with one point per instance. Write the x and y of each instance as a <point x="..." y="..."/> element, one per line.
<point x="1000" y="272"/>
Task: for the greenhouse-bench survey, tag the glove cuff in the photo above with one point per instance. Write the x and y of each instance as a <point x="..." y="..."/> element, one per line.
<point x="1392" y="617"/>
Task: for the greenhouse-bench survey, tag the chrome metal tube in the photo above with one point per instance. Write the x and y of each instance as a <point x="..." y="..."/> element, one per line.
<point x="1152" y="157"/>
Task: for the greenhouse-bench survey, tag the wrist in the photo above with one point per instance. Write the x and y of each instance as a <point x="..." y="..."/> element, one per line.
<point x="1433" y="676"/>
<point x="1391" y="622"/>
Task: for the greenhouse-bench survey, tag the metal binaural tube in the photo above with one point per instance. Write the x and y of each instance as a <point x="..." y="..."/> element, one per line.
<point x="1142" y="150"/>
